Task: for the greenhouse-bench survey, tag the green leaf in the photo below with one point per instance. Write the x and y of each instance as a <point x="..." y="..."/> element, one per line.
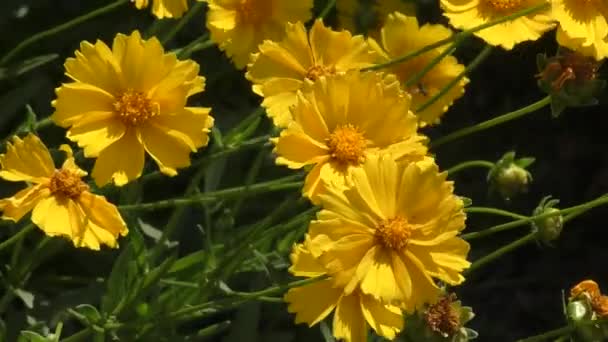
<point x="26" y="297"/>
<point x="88" y="311"/>
<point x="326" y="332"/>
<point x="525" y="162"/>
<point x="30" y="336"/>
<point x="467" y="202"/>
<point x="26" y="66"/>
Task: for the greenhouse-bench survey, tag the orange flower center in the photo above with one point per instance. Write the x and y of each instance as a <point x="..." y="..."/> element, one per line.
<point x="66" y="183"/>
<point x="347" y="144"/>
<point x="254" y="11"/>
<point x="133" y="107"/>
<point x="504" y="5"/>
<point x="316" y="71"/>
<point x="394" y="233"/>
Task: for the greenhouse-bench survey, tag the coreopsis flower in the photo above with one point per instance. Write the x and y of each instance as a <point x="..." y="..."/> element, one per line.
<point x="583" y="26"/>
<point x="342" y="119"/>
<point x="390" y="231"/>
<point x="164" y="8"/>
<point x="353" y="312"/>
<point x="279" y="69"/>
<point x="401" y="35"/>
<point x="129" y="100"/>
<point x="587" y="291"/>
<point x="466" y="14"/>
<point x="368" y="17"/>
<point x="239" y="26"/>
<point x="60" y="202"/>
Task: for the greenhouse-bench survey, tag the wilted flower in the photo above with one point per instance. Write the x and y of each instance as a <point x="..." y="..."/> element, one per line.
<point x="129" y="100"/>
<point x="60" y="201"/>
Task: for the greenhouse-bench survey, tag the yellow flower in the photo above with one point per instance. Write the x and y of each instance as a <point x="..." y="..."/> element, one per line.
<point x="164" y="8"/>
<point x="282" y="68"/>
<point x="365" y="17"/>
<point x="130" y="100"/>
<point x="402" y="35"/>
<point x="597" y="49"/>
<point x="390" y="231"/>
<point x="340" y="120"/>
<point x="352" y="312"/>
<point x="60" y="201"/>
<point x="466" y="14"/>
<point x="239" y="26"/>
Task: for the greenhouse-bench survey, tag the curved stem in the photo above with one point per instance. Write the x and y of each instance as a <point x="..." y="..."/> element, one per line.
<point x="470" y="164"/>
<point x="459" y="35"/>
<point x="469" y="68"/>
<point x="492" y="122"/>
<point x="495" y="211"/>
<point x="285" y="183"/>
<point x="183" y="22"/>
<point x="44" y="34"/>
<point x="500" y="252"/>
<point x="21" y="234"/>
<point x="550" y="334"/>
<point x="330" y="4"/>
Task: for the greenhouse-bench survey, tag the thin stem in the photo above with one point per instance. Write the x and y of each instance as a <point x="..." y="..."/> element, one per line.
<point x="82" y="335"/>
<point x="330" y="4"/>
<point x="285" y="183"/>
<point x="470" y="164"/>
<point x="459" y="35"/>
<point x="65" y="26"/>
<point x="18" y="236"/>
<point x="500" y="252"/>
<point x="200" y="43"/>
<point x="183" y="22"/>
<point x="513" y="224"/>
<point x="43" y="123"/>
<point x="420" y="74"/>
<point x="492" y="122"/>
<point x="567" y="330"/>
<point x="469" y="68"/>
<point x="495" y="211"/>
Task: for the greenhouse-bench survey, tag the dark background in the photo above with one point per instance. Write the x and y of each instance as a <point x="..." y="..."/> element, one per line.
<point x="517" y="296"/>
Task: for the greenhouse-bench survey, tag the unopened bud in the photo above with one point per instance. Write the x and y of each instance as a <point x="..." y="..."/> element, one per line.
<point x="550" y="228"/>
<point x="513" y="180"/>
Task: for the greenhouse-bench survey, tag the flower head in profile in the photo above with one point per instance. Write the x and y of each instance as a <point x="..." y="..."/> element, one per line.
<point x="340" y="120"/>
<point x="239" y="26"/>
<point x="353" y="312"/>
<point x="60" y="202"/>
<point x="164" y="8"/>
<point x="401" y="35"/>
<point x="390" y="231"/>
<point x="130" y="100"/>
<point x="279" y="69"/>
<point x="583" y="26"/>
<point x="466" y="14"/>
<point x="368" y="17"/>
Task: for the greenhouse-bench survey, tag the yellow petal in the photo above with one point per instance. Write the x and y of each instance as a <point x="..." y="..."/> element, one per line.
<point x="191" y="126"/>
<point x="17" y="206"/>
<point x="120" y="162"/>
<point x="312" y="303"/>
<point x="349" y="323"/>
<point x="296" y="149"/>
<point x="168" y="152"/>
<point x="445" y="261"/>
<point x="26" y="160"/>
<point x="96" y="136"/>
<point x="303" y="263"/>
<point x="103" y="214"/>
<point x="97" y="66"/>
<point x="59" y="217"/>
<point x="169" y="8"/>
<point x="378" y="277"/>
<point x="424" y="290"/>
<point x="81" y="101"/>
<point x="386" y="320"/>
<point x="69" y="162"/>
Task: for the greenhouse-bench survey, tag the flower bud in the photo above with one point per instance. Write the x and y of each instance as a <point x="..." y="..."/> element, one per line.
<point x="513" y="180"/>
<point x="548" y="228"/>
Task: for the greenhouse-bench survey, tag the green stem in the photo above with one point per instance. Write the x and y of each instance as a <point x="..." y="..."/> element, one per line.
<point x="469" y="68"/>
<point x="500" y="252"/>
<point x="201" y="43"/>
<point x="65" y="26"/>
<point x="243" y="297"/>
<point x="82" y="335"/>
<point x="285" y="183"/>
<point x="330" y="4"/>
<point x="415" y="79"/>
<point x="492" y="122"/>
<point x="18" y="236"/>
<point x="470" y="164"/>
<point x="183" y="22"/>
<point x="43" y="123"/>
<point x="230" y="149"/>
<point x="513" y="224"/>
<point x="459" y="35"/>
<point x="495" y="211"/>
<point x="550" y="334"/>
